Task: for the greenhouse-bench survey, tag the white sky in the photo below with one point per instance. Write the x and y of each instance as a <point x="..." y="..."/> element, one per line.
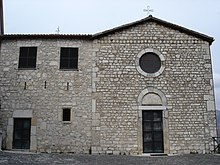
<point x="92" y="16"/>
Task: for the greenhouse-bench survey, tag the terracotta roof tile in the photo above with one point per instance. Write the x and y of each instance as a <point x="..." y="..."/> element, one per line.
<point x="46" y="36"/>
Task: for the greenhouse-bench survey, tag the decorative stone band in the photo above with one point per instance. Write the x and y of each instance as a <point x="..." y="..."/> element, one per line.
<point x="152" y="107"/>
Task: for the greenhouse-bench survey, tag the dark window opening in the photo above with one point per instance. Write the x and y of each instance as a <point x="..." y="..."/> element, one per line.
<point x="66" y="114"/>
<point x="27" y="57"/>
<point x="69" y="58"/>
<point x="150" y="62"/>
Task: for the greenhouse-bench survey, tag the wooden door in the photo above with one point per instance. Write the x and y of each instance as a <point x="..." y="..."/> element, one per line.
<point x="152" y="132"/>
<point x="22" y="130"/>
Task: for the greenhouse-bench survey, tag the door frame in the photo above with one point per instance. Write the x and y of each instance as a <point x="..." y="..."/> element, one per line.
<point x="10" y="129"/>
<point x="165" y="130"/>
<point x="152" y="131"/>
<point x="164" y="108"/>
<point x="29" y="129"/>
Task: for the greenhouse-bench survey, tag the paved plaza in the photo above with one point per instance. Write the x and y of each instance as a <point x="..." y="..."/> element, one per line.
<point x="76" y="159"/>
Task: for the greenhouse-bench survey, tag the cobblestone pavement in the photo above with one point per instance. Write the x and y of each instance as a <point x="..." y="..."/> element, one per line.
<point x="75" y="159"/>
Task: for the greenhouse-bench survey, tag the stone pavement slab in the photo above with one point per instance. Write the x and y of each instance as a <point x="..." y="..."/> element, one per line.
<point x="76" y="159"/>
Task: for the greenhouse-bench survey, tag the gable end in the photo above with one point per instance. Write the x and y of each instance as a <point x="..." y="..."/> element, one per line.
<point x="158" y="21"/>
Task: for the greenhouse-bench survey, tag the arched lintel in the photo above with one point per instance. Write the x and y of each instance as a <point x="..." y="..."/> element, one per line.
<point x="152" y="90"/>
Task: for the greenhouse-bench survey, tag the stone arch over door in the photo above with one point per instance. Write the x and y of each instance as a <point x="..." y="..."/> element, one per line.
<point x="152" y="99"/>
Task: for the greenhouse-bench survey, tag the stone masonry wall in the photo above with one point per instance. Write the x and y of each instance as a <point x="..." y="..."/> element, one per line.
<point x="186" y="82"/>
<point x="48" y="132"/>
<point x="103" y="93"/>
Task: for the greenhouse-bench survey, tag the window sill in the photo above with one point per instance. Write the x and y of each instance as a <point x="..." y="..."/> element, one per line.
<point x="27" y="68"/>
<point x="69" y="69"/>
<point x="67" y="122"/>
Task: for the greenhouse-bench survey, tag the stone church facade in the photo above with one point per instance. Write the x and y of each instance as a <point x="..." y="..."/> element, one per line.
<point x="144" y="87"/>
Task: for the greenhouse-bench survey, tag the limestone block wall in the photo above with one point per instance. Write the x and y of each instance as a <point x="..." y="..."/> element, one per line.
<point x="105" y="93"/>
<point x="44" y="104"/>
<point x="186" y="82"/>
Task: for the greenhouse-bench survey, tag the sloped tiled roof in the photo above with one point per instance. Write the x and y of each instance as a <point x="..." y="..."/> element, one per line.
<point x="111" y="31"/>
<point x="46" y="36"/>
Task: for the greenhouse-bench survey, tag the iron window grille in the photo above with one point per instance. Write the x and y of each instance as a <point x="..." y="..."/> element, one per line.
<point x="27" y="57"/>
<point x="69" y="58"/>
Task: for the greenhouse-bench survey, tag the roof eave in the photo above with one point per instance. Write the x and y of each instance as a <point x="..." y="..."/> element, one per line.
<point x="44" y="36"/>
<point x="111" y="31"/>
<point x="159" y="21"/>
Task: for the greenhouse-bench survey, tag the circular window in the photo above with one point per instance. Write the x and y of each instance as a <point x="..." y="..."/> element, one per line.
<point x="150" y="62"/>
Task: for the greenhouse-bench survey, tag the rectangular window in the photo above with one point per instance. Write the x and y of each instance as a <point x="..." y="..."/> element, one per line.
<point x="69" y="58"/>
<point x="66" y="114"/>
<point x="27" y="57"/>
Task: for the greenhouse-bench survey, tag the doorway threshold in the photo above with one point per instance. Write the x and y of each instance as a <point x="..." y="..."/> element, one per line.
<point x="158" y="154"/>
<point x="20" y="151"/>
<point x="154" y="154"/>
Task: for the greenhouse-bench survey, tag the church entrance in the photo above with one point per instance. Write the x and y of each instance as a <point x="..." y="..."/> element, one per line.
<point x="152" y="131"/>
<point x="21" y="136"/>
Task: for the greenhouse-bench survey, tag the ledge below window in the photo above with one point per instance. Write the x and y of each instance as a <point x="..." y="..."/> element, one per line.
<point x="27" y="68"/>
<point x="69" y="69"/>
<point x="67" y="122"/>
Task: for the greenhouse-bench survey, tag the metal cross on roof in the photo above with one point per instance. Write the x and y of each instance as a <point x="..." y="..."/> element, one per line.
<point x="58" y="30"/>
<point x="148" y="10"/>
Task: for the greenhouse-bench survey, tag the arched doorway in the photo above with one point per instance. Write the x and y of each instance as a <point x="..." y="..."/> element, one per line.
<point x="153" y="124"/>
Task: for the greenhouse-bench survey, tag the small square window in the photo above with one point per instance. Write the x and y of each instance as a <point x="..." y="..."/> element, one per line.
<point x="69" y="58"/>
<point x="27" y="57"/>
<point x="66" y="114"/>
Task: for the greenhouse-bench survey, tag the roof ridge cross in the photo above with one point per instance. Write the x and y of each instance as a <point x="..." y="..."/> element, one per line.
<point x="148" y="10"/>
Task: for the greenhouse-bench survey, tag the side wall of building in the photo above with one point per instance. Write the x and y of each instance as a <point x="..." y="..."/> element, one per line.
<point x="186" y="82"/>
<point x="46" y="94"/>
